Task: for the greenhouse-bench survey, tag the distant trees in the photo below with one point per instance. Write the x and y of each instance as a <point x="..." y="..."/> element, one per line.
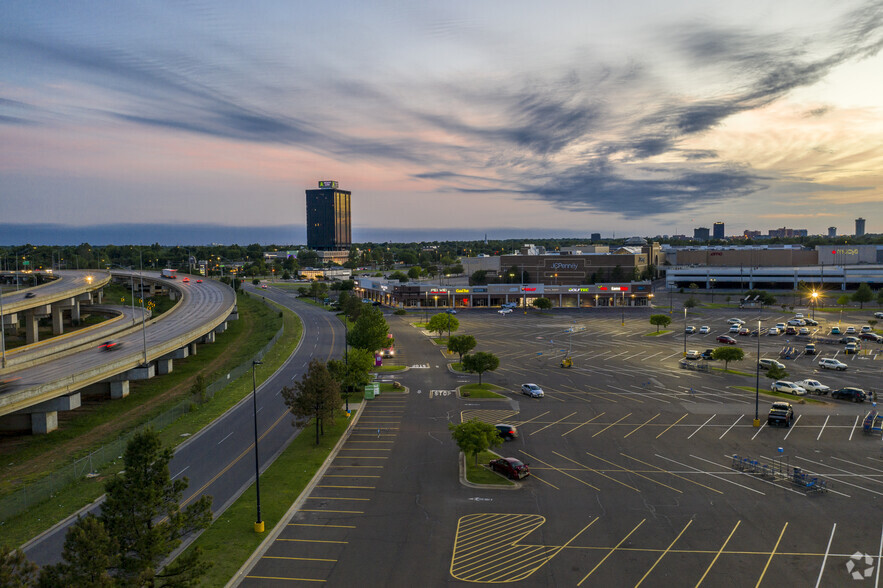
<point x="660" y="320"/>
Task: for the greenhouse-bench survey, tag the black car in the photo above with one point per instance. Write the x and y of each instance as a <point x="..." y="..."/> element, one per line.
<point x="810" y="322"/>
<point x="707" y="354"/>
<point x="511" y="467"/>
<point x="507" y="432"/>
<point x="849" y="393"/>
<point x="30" y="295"/>
<point x="871" y="337"/>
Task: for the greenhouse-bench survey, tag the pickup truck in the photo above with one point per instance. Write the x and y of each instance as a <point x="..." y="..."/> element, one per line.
<point x="781" y="413"/>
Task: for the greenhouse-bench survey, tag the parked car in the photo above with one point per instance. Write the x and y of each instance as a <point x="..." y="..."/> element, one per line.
<point x="878" y="315"/>
<point x="692" y="354"/>
<point x="867" y="329"/>
<point x="829" y="363"/>
<point x="704" y="330"/>
<point x="773" y="331"/>
<point x="813" y="386"/>
<point x="781" y="326"/>
<point x="507" y="432"/>
<point x="835" y="330"/>
<point x="744" y="331"/>
<point x="781" y="413"/>
<point x="735" y="321"/>
<point x="788" y="388"/>
<point x="811" y="322"/>
<point x="726" y="339"/>
<point x="511" y="467"/>
<point x="850" y="330"/>
<point x="708" y="354"/>
<point x="690" y="329"/>
<point x="505" y="310"/>
<point x="790" y="330"/>
<point x="849" y="393"/>
<point x="735" y="329"/>
<point x="810" y="349"/>
<point x="532" y="390"/>
<point x="803" y="331"/>
<point x="871" y="337"/>
<point x="851" y="348"/>
<point x="796" y="322"/>
<point x="451" y="311"/>
<point x="767" y="363"/>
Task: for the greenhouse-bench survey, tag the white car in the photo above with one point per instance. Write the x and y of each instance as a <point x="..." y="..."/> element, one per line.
<point x="532" y="390"/>
<point x="878" y="315"/>
<point x="693" y="354"/>
<point x="735" y="328"/>
<point x="781" y="326"/>
<point x="704" y="330"/>
<point x="735" y="321"/>
<point x="796" y="322"/>
<point x="789" y="387"/>
<point x="773" y="331"/>
<point x="866" y="329"/>
<point x="850" y="330"/>
<point x="803" y="331"/>
<point x="505" y="310"/>
<point x="813" y="386"/>
<point x="690" y="329"/>
<point x="829" y="363"/>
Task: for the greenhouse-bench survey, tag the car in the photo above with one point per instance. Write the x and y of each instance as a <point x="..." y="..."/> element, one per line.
<point x="767" y="363"/>
<point x="773" y="331"/>
<point x="509" y="305"/>
<point x="850" y="330"/>
<point x="199" y="281"/>
<point x="878" y="315"/>
<point x="532" y="390"/>
<point x="849" y="393"/>
<point x="110" y="346"/>
<point x="810" y="349"/>
<point x="735" y="321"/>
<point x="811" y="322"/>
<point x="735" y="329"/>
<point x="30" y="295"/>
<point x="781" y="413"/>
<point x="704" y="330"/>
<point x="852" y="348"/>
<point x="781" y="326"/>
<point x="744" y="331"/>
<point x="690" y="329"/>
<point x="866" y="329"/>
<point x="803" y="331"/>
<point x="692" y="354"/>
<point x="813" y="386"/>
<point x="835" y="330"/>
<point x="504" y="310"/>
<point x="871" y="337"/>
<point x="375" y="303"/>
<point x="850" y="339"/>
<point x="829" y="363"/>
<point x="798" y="316"/>
<point x="788" y="388"/>
<point x="510" y="467"/>
<point x="264" y="287"/>
<point x="796" y="322"/>
<point x="755" y="332"/>
<point x="506" y="431"/>
<point x="451" y="311"/>
<point x="186" y="280"/>
<point x="790" y="330"/>
<point x="726" y="339"/>
<point x="708" y="355"/>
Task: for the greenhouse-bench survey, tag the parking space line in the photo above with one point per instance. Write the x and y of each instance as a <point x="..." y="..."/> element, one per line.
<point x="772" y="553"/>
<point x="718" y="554"/>
<point x="593" y="470"/>
<point x="635" y="472"/>
<point x="311" y="541"/>
<point x="672" y="425"/>
<point x="334" y="511"/>
<point x="298" y="558"/>
<point x="731" y="426"/>
<point x="858" y="464"/>
<point x="611" y="424"/>
<point x="840" y="480"/>
<point x="823" y="427"/>
<point x="793" y="426"/>
<point x="559" y="470"/>
<point x="609" y="553"/>
<point x="534" y="418"/>
<point x="879" y="560"/>
<point x="669" y="473"/>
<point x="854" y="425"/>
<point x="585" y="423"/>
<point x="335" y="498"/>
<point x="641" y="425"/>
<point x="825" y="559"/>
<point x="762" y="425"/>
<point x="709" y="473"/>
<point x="545" y="481"/>
<point x="315" y="525"/>
<point x="554" y="423"/>
<point x="284" y="579"/>
<point x="663" y="553"/>
<point x="700" y="426"/>
<point x="651" y="356"/>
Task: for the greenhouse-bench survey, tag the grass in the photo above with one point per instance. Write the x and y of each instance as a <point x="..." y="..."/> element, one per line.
<point x="67" y="500"/>
<point x="730" y="371"/>
<point x="231" y="539"/>
<point x="480" y="474"/>
<point x="421" y="325"/>
<point x="480" y="391"/>
<point x="315" y="303"/>
<point x="782" y="395"/>
<point x="441" y="341"/>
<point x="658" y="333"/>
<point x="388" y="368"/>
<point x="458" y="367"/>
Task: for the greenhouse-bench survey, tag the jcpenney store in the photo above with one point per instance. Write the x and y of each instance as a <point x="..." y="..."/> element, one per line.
<point x="392" y="293"/>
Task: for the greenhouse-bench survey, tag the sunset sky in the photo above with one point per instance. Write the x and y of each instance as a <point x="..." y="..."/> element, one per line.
<point x="544" y="118"/>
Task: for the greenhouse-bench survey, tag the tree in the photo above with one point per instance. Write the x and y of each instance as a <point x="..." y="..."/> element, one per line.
<point x="475" y="436"/>
<point x="690" y="302"/>
<point x="863" y="294"/>
<point x="880" y="297"/>
<point x="480" y="362"/>
<point x="256" y="281"/>
<point x="478" y="278"/>
<point x="542" y="303"/>
<point x="315" y="396"/>
<point x="16" y="571"/>
<point x="88" y="555"/>
<point x="398" y="275"/>
<point x="370" y="330"/>
<point x="318" y="290"/>
<point x="353" y="372"/>
<point x="728" y="354"/>
<point x="442" y="322"/>
<point x="843" y="300"/>
<point x="660" y="320"/>
<point x="414" y="273"/>
<point x="461" y="344"/>
<point x="776" y="373"/>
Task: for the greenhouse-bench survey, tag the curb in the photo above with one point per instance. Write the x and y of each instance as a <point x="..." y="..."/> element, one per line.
<point x="464" y="482"/>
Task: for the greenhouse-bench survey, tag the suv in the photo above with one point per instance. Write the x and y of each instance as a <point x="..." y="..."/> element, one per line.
<point x="766" y="364"/>
<point x="852" y="348"/>
<point x="507" y="432"/>
<point x="849" y="393"/>
<point x="781" y="413"/>
<point x="810" y="349"/>
<point x="813" y="386"/>
<point x="829" y="363"/>
<point x="788" y="388"/>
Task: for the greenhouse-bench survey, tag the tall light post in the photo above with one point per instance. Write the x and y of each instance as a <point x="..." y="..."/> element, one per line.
<point x="685" y="331"/>
<point x="2" y="332"/>
<point x="815" y="300"/>
<point x="259" y="522"/>
<point x="141" y="298"/>
<point x="757" y="382"/>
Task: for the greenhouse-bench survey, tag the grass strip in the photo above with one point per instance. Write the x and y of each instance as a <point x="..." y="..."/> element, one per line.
<point x="387" y="368"/>
<point x="481" y="474"/>
<point x="658" y="333"/>
<point x="782" y="395"/>
<point x="483" y="390"/>
<point x="230" y="540"/>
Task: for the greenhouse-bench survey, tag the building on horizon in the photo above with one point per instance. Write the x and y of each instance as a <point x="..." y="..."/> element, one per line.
<point x="329" y="226"/>
<point x="718" y="230"/>
<point x="832" y="232"/>
<point x="859" y="227"/>
<point x="596" y="237"/>
<point x="749" y="234"/>
<point x="701" y="234"/>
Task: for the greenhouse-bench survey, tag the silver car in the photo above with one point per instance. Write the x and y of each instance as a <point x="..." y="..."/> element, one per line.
<point x="532" y="390"/>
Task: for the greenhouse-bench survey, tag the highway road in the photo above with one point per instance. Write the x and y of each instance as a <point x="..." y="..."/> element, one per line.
<point x="70" y="283"/>
<point x="219" y="460"/>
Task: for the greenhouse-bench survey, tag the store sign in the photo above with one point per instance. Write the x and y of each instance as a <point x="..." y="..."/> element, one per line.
<point x="474" y="290"/>
<point x="442" y="291"/>
<point x="844" y="252"/>
<point x="462" y="290"/>
<point x="559" y="265"/>
<point x="327" y="184"/>
<point x="528" y="289"/>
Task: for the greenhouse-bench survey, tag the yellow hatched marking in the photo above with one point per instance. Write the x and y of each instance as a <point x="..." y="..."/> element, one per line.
<point x="641" y="425"/>
<point x="609" y="553"/>
<point x="611" y="424"/>
<point x="596" y="471"/>
<point x="585" y="423"/>
<point x="718" y="554"/>
<point x="663" y="553"/>
<point x="670" y="426"/>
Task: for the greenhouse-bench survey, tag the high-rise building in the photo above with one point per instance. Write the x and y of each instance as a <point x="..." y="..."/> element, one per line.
<point x="718" y="230"/>
<point x="701" y="234"/>
<point x="328" y="218"/>
<point x="832" y="232"/>
<point x="596" y="237"/>
<point x="859" y="227"/>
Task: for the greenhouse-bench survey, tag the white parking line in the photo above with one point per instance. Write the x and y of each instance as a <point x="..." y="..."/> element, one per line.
<point x="840" y="480"/>
<point x="859" y="465"/>
<point x="762" y="425"/>
<point x="731" y="426"/>
<point x="825" y="559"/>
<point x="700" y="426"/>
<point x="649" y="356"/>
<point x="879" y="560"/>
<point x="709" y="473"/>
<point x="793" y="425"/>
<point x="823" y="427"/>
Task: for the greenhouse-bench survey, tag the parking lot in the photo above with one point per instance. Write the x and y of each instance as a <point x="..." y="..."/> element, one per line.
<point x="633" y="479"/>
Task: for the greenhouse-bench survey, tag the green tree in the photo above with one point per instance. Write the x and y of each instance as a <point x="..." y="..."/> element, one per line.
<point x="776" y="373"/>
<point x="843" y="300"/>
<point x="318" y="290"/>
<point x="880" y="297"/>
<point x="660" y="320"/>
<point x="307" y="258"/>
<point x="690" y="302"/>
<point x="414" y="273"/>
<point x="315" y="396"/>
<point x="256" y="282"/>
<point x="478" y="278"/>
<point x="475" y="436"/>
<point x="353" y="372"/>
<point x="863" y="294"/>
<point x="542" y="303"/>
<point x="728" y="354"/>
<point x="480" y="362"/>
<point x="441" y="322"/>
<point x="369" y="331"/>
<point x="461" y="344"/>
<point x="88" y="555"/>
<point x="398" y="275"/>
<point x="16" y="571"/>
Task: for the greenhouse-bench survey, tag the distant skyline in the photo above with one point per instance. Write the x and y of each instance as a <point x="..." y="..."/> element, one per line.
<point x="558" y="118"/>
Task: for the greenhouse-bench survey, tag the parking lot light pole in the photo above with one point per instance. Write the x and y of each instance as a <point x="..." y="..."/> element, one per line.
<point x="685" y="331"/>
<point x="259" y="522"/>
<point x="815" y="298"/>
<point x="757" y="382"/>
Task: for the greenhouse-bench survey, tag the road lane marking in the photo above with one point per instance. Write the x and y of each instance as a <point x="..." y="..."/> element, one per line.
<point x="611" y="424"/>
<point x="825" y="559"/>
<point x="609" y="553"/>
<point x="225" y="438"/>
<point x="702" y="425"/>
<point x="667" y="549"/>
<point x="731" y="426"/>
<point x="718" y="554"/>
<point x="823" y="427"/>
<point x="772" y="553"/>
<point x="672" y="425"/>
<point x="641" y="425"/>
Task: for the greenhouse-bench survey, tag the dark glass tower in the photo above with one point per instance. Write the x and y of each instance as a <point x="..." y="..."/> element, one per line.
<point x="328" y="218"/>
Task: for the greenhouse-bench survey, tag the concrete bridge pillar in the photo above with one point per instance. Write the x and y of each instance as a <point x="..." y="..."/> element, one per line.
<point x="43" y="422"/>
<point x="221" y="328"/>
<point x="119" y="389"/>
<point x="75" y="312"/>
<point x="31" y="335"/>
<point x="163" y="366"/>
<point x="44" y="416"/>
<point x="192" y="348"/>
<point x="57" y="319"/>
<point x="209" y="337"/>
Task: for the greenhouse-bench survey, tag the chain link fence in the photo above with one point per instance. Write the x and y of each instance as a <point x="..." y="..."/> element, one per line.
<point x="88" y="466"/>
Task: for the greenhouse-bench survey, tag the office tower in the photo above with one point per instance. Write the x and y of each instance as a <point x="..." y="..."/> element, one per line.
<point x="701" y="234"/>
<point x="859" y="227"/>
<point x="596" y="237"/>
<point x="328" y="218"/>
<point x="832" y="232"/>
<point x="719" y="230"/>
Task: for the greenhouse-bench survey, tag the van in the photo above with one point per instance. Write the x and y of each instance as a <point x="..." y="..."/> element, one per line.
<point x="766" y="364"/>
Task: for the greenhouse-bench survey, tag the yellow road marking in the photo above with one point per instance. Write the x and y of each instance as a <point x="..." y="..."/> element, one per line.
<point x="663" y="553"/>
<point x="670" y="426"/>
<point x="534" y="418"/>
<point x="596" y="471"/>
<point x="671" y="473"/>
<point x="718" y="554"/>
<point x="639" y="426"/>
<point x="585" y="423"/>
<point x="553" y="423"/>
<point x="611" y="424"/>
<point x="536" y="477"/>
<point x="580" y="583"/>
<point x="560" y="471"/>
<point x="625" y="469"/>
<point x="772" y="553"/>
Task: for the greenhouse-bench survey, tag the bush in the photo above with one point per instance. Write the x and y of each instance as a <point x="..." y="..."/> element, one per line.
<point x="400" y="311"/>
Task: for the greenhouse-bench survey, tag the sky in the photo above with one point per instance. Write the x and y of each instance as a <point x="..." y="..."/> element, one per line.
<point x="500" y="118"/>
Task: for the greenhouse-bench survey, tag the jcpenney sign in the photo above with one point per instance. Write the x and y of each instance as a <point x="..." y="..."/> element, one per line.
<point x="559" y="265"/>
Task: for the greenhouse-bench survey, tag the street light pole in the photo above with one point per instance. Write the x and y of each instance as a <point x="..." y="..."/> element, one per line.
<point x="2" y="332"/>
<point x="346" y="362"/>
<point x="141" y="298"/>
<point x="685" y="331"/>
<point x="757" y="382"/>
<point x="259" y="522"/>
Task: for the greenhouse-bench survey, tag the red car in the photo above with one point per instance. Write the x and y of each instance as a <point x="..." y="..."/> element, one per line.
<point x="186" y="280"/>
<point x="726" y="339"/>
<point x="109" y="345"/>
<point x="744" y="331"/>
<point x="510" y="466"/>
<point x="199" y="281"/>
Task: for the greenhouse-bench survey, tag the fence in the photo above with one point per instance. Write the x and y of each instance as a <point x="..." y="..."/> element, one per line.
<point x="86" y="467"/>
